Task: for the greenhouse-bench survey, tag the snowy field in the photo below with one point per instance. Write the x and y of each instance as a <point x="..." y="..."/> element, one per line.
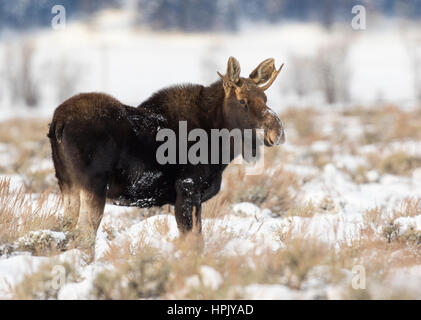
<point x="335" y="215"/>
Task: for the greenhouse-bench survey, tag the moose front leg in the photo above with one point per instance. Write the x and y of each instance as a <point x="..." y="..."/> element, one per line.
<point x="188" y="207"/>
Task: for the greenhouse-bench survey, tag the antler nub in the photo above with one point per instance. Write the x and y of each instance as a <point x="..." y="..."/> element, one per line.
<point x="272" y="78"/>
<point x="225" y="78"/>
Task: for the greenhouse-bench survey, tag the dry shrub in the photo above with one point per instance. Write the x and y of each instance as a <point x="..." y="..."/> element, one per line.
<point x="145" y="272"/>
<point x="20" y="214"/>
<point x="290" y="266"/>
<point x="143" y="276"/>
<point x="320" y="159"/>
<point x="306" y="210"/>
<point x="215" y="207"/>
<point x="304" y="124"/>
<point x="373" y="217"/>
<point x="299" y="257"/>
<point x="40" y="243"/>
<point x="20" y="131"/>
<point x="276" y="189"/>
<point x="387" y="123"/>
<point x="359" y="175"/>
<point x="383" y="235"/>
<point x="27" y="147"/>
<point x="45" y="283"/>
<point x="161" y="226"/>
<point x="409" y="207"/>
<point x="399" y="163"/>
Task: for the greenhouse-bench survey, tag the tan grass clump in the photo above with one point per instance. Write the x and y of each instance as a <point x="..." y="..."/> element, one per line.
<point x="275" y="189"/>
<point x="20" y="213"/>
<point x="143" y="276"/>
<point x="304" y="124"/>
<point x="46" y="282"/>
<point x="27" y="147"/>
<point x="399" y="163"/>
<point x="306" y="210"/>
<point x="387" y="123"/>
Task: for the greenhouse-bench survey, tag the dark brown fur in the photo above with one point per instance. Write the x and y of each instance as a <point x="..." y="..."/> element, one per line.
<point x="103" y="149"/>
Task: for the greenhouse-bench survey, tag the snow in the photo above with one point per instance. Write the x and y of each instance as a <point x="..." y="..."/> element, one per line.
<point x="269" y="292"/>
<point x="251" y="229"/>
<point x="13" y="269"/>
<point x="132" y="64"/>
<point x="210" y="277"/>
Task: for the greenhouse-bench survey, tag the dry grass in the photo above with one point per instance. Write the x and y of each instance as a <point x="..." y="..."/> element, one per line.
<point x="306" y="210"/>
<point x="409" y="207"/>
<point x="21" y="213"/>
<point x="398" y="163"/>
<point x="27" y="146"/>
<point x="275" y="189"/>
<point x="45" y="283"/>
<point x="143" y="276"/>
<point x="143" y="271"/>
<point x="387" y="123"/>
<point x="301" y="125"/>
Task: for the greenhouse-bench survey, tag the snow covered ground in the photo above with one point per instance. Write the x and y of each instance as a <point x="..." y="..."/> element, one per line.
<point x="357" y="197"/>
<point x="339" y="207"/>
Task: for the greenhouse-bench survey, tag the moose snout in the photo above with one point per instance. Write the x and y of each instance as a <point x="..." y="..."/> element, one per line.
<point x="274" y="132"/>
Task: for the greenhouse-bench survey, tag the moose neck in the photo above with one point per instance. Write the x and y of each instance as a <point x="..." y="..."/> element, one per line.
<point x="212" y="103"/>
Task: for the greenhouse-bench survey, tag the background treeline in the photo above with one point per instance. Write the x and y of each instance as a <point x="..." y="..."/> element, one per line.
<point x="203" y="15"/>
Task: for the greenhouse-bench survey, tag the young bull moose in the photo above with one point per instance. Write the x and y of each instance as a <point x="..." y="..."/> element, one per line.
<point x="103" y="149"/>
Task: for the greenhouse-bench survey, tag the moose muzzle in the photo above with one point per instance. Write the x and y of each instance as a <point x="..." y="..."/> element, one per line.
<point x="274" y="130"/>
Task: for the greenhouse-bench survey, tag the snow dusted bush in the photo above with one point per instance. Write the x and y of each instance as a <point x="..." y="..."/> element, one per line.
<point x="46" y="282"/>
<point x="143" y="276"/>
<point x="399" y="163"/>
<point x="275" y="189"/>
<point x="20" y="214"/>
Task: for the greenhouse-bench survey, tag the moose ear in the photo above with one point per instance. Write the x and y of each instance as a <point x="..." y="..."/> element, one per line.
<point x="263" y="72"/>
<point x="233" y="70"/>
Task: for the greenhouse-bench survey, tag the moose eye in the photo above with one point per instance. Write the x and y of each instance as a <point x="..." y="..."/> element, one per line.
<point x="242" y="101"/>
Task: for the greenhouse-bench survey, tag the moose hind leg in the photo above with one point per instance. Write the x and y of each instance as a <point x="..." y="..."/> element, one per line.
<point x="71" y="206"/>
<point x="91" y="211"/>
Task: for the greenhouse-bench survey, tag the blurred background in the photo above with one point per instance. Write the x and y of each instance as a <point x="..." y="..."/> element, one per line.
<point x="131" y="48"/>
<point x="348" y="178"/>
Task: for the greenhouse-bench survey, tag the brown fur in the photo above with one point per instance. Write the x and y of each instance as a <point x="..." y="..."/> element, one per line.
<point x="103" y="149"/>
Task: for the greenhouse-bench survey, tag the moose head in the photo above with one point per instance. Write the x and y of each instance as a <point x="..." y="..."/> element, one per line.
<point x="245" y="100"/>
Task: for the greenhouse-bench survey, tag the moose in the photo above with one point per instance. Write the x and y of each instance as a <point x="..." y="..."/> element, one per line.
<point x="105" y="150"/>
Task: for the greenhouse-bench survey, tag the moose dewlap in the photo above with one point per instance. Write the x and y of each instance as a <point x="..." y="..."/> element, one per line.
<point x="103" y="149"/>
